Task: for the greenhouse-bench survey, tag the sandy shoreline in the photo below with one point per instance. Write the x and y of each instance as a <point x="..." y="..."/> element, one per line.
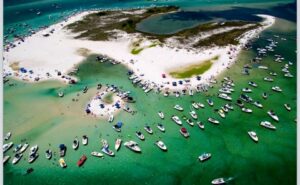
<point x="54" y="56"/>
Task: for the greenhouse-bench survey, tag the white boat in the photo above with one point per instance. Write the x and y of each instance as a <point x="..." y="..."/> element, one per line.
<point x="273" y="115"/>
<point x="61" y="94"/>
<point x="85" y="140"/>
<point x="140" y="135"/>
<point x="200" y="125"/>
<point x="253" y="84"/>
<point x="204" y="157"/>
<point x="161" y="127"/>
<point x="273" y="74"/>
<point x="288" y="107"/>
<point x="247" y="110"/>
<point x="5" y="159"/>
<point x="268" y="79"/>
<point x="176" y="120"/>
<point x="97" y="154"/>
<point x="247" y="90"/>
<point x="33" y="157"/>
<point x="161" y="114"/>
<point x="225" y="96"/>
<point x="75" y="144"/>
<point x="24" y="147"/>
<point x="178" y="107"/>
<point x="210" y="102"/>
<point x="201" y="105"/>
<point x="190" y="122"/>
<point x="161" y="145"/>
<point x="132" y="146"/>
<point x="225" y="109"/>
<point x="184" y="132"/>
<point x="62" y="163"/>
<point x="288" y="75"/>
<point x="7" y="146"/>
<point x="118" y="144"/>
<point x="17" y="148"/>
<point x="33" y="149"/>
<point x="277" y="89"/>
<point x="263" y="67"/>
<point x="267" y="124"/>
<point x="7" y="136"/>
<point x="148" y="129"/>
<point x="48" y="154"/>
<point x="265" y="95"/>
<point x="194" y="114"/>
<point x="221" y="113"/>
<point x="253" y="136"/>
<point x="221" y="180"/>
<point x="229" y="106"/>
<point x="258" y="104"/>
<point x="17" y="158"/>
<point x="191" y="93"/>
<point x="214" y="121"/>
<point x="106" y="150"/>
<point x="195" y="105"/>
<point x="110" y="118"/>
<point x="225" y="90"/>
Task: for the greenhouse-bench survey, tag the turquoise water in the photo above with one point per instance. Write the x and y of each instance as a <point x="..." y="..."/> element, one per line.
<point x="34" y="113"/>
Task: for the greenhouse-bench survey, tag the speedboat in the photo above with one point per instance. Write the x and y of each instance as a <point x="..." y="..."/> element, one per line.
<point x="225" y="90"/>
<point x="221" y="113"/>
<point x="85" y="140"/>
<point x="246" y="98"/>
<point x="62" y="163"/>
<point x="247" y="110"/>
<point x="118" y="126"/>
<point x="161" y="115"/>
<point x="178" y="107"/>
<point x="229" y="106"/>
<point x="106" y="150"/>
<point x="204" y="157"/>
<point x="17" y="148"/>
<point x="200" y="125"/>
<point x="75" y="144"/>
<point x="253" y="136"/>
<point x="7" y="136"/>
<point x="7" y="146"/>
<point x="288" y="107"/>
<point x="195" y="105"/>
<point x="288" y="75"/>
<point x="140" y="135"/>
<point x="273" y="115"/>
<point x="252" y="84"/>
<point x="148" y="129"/>
<point x="161" y="145"/>
<point x="33" y="157"/>
<point x="268" y="79"/>
<point x="184" y="132"/>
<point x="247" y="90"/>
<point x="118" y="144"/>
<point x="33" y="149"/>
<point x="24" y="147"/>
<point x="48" y="154"/>
<point x="194" y="114"/>
<point x="190" y="122"/>
<point x="62" y="150"/>
<point x="132" y="146"/>
<point x="61" y="94"/>
<point x="81" y="160"/>
<point x="210" y="102"/>
<point x="267" y="125"/>
<point x="273" y="74"/>
<point x="176" y="120"/>
<point x="110" y="118"/>
<point x="97" y="154"/>
<point x="277" y="89"/>
<point x="258" y="104"/>
<point x="5" y="159"/>
<point x="161" y="127"/>
<point x="17" y="158"/>
<point x="221" y="180"/>
<point x="214" y="121"/>
<point x="201" y="105"/>
<point x="225" y="96"/>
<point x="265" y="95"/>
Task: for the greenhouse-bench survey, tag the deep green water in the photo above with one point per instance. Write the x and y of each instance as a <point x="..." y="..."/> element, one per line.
<point x="35" y="113"/>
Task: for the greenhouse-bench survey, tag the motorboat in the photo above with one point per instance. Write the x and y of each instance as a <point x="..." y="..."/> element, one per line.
<point x="190" y="122"/>
<point x="273" y="74"/>
<point x="148" y="129"/>
<point x="62" y="163"/>
<point x="85" y="140"/>
<point x="62" y="150"/>
<point x="276" y="89"/>
<point x="258" y="104"/>
<point x="205" y="156"/>
<point x="253" y="84"/>
<point x="33" y="157"/>
<point x="7" y="136"/>
<point x="118" y="144"/>
<point x="133" y="146"/>
<point x="178" y="107"/>
<point x="106" y="150"/>
<point x="17" y="148"/>
<point x="210" y="102"/>
<point x="17" y="158"/>
<point x="97" y="154"/>
<point x="221" y="180"/>
<point x="24" y="147"/>
<point x="214" y="121"/>
<point x="288" y="75"/>
<point x="268" y="79"/>
<point x="201" y="105"/>
<point x="225" y="109"/>
<point x="110" y="118"/>
<point x="246" y="98"/>
<point x="239" y="103"/>
<point x="48" y="154"/>
<point x="247" y="110"/>
<point x="195" y="105"/>
<point x="140" y="135"/>
<point x="221" y="113"/>
<point x="288" y="107"/>
<point x="225" y="96"/>
<point x="5" y="159"/>
<point x="265" y="95"/>
<point x="273" y="115"/>
<point x="247" y="90"/>
<point x="176" y="120"/>
<point x="161" y="114"/>
<point x="161" y="145"/>
<point x="253" y="136"/>
<point x="118" y="126"/>
<point x="225" y="90"/>
<point x="200" y="125"/>
<point x="268" y="125"/>
<point x="161" y="127"/>
<point x="82" y="160"/>
<point x="7" y="146"/>
<point x="184" y="132"/>
<point x="33" y="149"/>
<point x="194" y="114"/>
<point x="75" y="144"/>
<point x="229" y="106"/>
<point x="61" y="94"/>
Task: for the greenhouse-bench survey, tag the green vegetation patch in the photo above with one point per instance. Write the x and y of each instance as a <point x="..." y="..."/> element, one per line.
<point x="192" y="70"/>
<point x="108" y="98"/>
